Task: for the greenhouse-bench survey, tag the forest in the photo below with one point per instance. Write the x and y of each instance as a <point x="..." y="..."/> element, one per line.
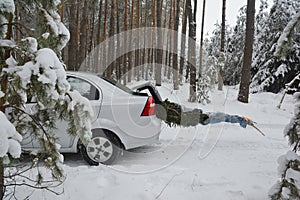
<point x="137" y="40"/>
<point x="128" y="31"/>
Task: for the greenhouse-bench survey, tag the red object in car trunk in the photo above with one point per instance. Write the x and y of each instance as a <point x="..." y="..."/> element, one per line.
<point x="149" y="107"/>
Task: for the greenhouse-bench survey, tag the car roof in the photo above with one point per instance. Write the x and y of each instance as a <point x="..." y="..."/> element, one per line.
<point x="88" y="75"/>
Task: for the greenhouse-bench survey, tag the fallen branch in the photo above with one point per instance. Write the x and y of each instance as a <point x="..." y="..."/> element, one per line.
<point x="167" y="185"/>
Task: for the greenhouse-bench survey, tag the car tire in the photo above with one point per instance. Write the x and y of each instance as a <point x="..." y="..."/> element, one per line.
<point x="104" y="148"/>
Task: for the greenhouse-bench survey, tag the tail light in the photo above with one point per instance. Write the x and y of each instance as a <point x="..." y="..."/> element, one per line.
<point x="149" y="107"/>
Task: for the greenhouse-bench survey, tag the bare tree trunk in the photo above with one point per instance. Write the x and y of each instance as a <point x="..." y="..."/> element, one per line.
<point x="98" y="40"/>
<point x="246" y="71"/>
<point x="170" y="42"/>
<point x="118" y="60"/>
<point x="72" y="47"/>
<point x="111" y="47"/>
<point x="201" y="39"/>
<point x="221" y="73"/>
<point x="105" y="37"/>
<point x="131" y="55"/>
<point x="183" y="41"/>
<point x="137" y="41"/>
<point x="153" y="38"/>
<point x="125" y="42"/>
<point x="165" y="41"/>
<point x="192" y="49"/>
<point x="83" y="33"/>
<point x="175" y="38"/>
<point x="91" y="38"/>
<point x="159" y="43"/>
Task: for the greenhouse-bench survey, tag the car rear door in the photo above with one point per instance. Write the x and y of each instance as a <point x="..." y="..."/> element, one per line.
<point x="87" y="90"/>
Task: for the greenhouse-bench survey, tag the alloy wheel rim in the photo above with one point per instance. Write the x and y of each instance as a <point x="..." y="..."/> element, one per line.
<point x="100" y="149"/>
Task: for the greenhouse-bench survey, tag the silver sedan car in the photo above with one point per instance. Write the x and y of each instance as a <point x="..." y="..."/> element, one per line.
<point x="123" y="119"/>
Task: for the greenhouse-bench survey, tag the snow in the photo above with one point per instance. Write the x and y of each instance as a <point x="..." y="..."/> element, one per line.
<point x="286" y="33"/>
<point x="221" y="161"/>
<point x="45" y="35"/>
<point x="9" y="138"/>
<point x="32" y="44"/>
<point x="85" y="114"/>
<point x="1" y="94"/>
<point x="57" y="27"/>
<point x="7" y="43"/>
<point x="47" y="67"/>
<point x="7" y="6"/>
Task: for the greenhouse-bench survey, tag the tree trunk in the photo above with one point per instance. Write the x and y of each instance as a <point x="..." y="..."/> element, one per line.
<point x="124" y="57"/>
<point x="201" y="40"/>
<point x="153" y="38"/>
<point x="165" y="40"/>
<point x="104" y="53"/>
<point x="118" y="60"/>
<point x="131" y="54"/>
<point x="246" y="71"/>
<point x="183" y="40"/>
<point x="192" y="49"/>
<point x="98" y="56"/>
<point x="221" y="73"/>
<point x="159" y="43"/>
<point x="72" y="48"/>
<point x="137" y="41"/>
<point x="111" y="66"/>
<point x="175" y="38"/>
<point x="83" y="33"/>
<point x="170" y="42"/>
<point x="91" y="39"/>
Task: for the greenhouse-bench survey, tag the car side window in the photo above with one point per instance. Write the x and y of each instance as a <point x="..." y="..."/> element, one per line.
<point x="86" y="89"/>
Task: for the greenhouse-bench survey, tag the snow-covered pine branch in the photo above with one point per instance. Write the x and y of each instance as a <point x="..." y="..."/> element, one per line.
<point x="284" y="38"/>
<point x="9" y="138"/>
<point x="34" y="70"/>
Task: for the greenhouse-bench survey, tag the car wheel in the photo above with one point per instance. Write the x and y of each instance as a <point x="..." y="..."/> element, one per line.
<point x="103" y="148"/>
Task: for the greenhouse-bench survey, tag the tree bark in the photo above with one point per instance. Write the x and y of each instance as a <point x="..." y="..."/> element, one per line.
<point x="170" y="43"/>
<point x="246" y="70"/>
<point x="111" y="47"/>
<point x="201" y="39"/>
<point x="98" y="40"/>
<point x="183" y="40"/>
<point x="159" y="42"/>
<point x="72" y="47"/>
<point x="124" y="57"/>
<point x="192" y="49"/>
<point x="175" y="38"/>
<point x="221" y="73"/>
<point x="83" y="33"/>
<point x="131" y="54"/>
<point x="137" y="41"/>
<point x="104" y="53"/>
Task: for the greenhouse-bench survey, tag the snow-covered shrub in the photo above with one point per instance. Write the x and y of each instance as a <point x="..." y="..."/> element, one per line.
<point x="288" y="185"/>
<point x="31" y="68"/>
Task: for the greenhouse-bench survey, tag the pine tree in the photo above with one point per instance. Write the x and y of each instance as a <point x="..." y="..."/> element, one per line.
<point x="35" y="71"/>
<point x="235" y="51"/>
<point x="287" y="186"/>
<point x="271" y="73"/>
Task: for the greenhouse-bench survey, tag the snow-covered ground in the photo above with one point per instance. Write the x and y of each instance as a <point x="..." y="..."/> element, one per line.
<point x="221" y="161"/>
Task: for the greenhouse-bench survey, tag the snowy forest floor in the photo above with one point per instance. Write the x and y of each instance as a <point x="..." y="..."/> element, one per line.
<point x="221" y="161"/>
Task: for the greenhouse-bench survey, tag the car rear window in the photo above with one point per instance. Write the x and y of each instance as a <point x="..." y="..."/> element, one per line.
<point x="118" y="85"/>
